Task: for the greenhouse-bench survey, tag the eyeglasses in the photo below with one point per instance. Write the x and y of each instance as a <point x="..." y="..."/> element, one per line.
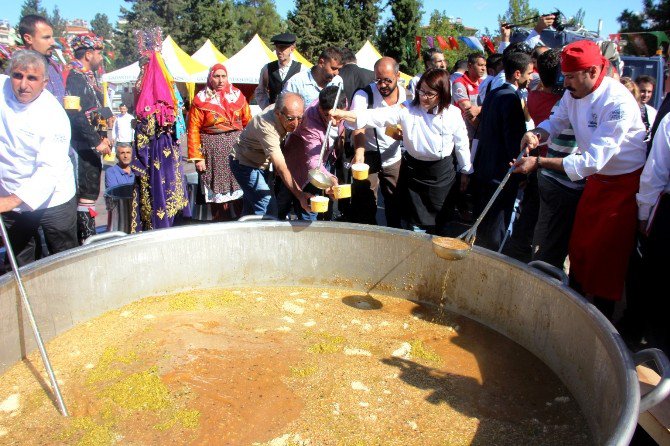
<point x="291" y="118"/>
<point x="427" y="95"/>
<point x="385" y="80"/>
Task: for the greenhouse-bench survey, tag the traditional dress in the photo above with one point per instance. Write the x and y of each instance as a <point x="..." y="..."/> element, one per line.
<point x="160" y="192"/>
<point x="215" y="121"/>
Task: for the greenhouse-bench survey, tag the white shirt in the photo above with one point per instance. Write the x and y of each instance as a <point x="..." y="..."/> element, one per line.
<point x="123" y="128"/>
<point x="34" y="145"/>
<point x="608" y="129"/>
<point x="651" y="114"/>
<point x="495" y="81"/>
<point x="388" y="147"/>
<point x="412" y="83"/>
<point x="426" y="137"/>
<point x="655" y="177"/>
<point x="304" y="84"/>
<point x="261" y="92"/>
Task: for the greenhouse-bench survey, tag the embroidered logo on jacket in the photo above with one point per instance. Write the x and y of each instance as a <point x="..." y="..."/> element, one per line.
<point x="593" y="122"/>
<point x="617" y="114"/>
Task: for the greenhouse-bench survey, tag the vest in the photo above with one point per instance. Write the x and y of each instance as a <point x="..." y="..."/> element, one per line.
<point x="275" y="83"/>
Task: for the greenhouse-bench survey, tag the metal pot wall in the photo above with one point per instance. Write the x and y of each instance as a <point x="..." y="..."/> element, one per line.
<point x="527" y="306"/>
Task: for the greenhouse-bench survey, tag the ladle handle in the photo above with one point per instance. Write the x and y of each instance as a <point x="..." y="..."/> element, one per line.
<point x="330" y="124"/>
<point x="470" y="233"/>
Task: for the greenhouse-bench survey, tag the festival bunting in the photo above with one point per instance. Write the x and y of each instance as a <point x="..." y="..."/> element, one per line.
<point x="472" y="42"/>
<point x="418" y="46"/>
<point x="453" y="43"/>
<point x="431" y="41"/>
<point x="443" y="43"/>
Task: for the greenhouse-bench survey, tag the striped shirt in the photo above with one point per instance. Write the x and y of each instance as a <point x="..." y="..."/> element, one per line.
<point x="560" y="146"/>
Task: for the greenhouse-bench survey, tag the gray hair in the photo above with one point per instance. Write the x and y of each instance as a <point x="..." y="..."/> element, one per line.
<point x="281" y="100"/>
<point x="23" y="59"/>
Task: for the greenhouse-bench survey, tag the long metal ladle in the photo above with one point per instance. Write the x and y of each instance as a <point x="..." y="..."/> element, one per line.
<point x="449" y="248"/>
<point x="316" y="176"/>
<point x="31" y="318"/>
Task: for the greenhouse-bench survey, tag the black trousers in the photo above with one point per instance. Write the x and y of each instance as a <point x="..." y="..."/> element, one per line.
<point x="491" y="231"/>
<point x="558" y="205"/>
<point x="58" y="223"/>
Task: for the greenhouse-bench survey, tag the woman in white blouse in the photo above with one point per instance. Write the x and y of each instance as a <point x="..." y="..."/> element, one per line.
<point x="432" y="131"/>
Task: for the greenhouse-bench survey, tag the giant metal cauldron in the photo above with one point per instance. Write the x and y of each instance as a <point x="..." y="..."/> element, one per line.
<point x="527" y="306"/>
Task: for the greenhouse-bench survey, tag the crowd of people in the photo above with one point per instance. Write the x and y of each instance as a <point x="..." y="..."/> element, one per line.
<point x="590" y="186"/>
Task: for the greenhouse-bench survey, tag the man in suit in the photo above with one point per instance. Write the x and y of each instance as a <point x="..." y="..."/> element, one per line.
<point x="353" y="76"/>
<point x="502" y="124"/>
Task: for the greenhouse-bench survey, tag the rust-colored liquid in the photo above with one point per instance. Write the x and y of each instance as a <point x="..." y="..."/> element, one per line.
<point x="287" y="366"/>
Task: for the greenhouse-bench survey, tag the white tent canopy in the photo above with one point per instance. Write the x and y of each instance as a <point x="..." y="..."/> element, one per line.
<point x="208" y="54"/>
<point x="245" y="66"/>
<point x="122" y="75"/>
<point x="180" y="65"/>
<point x="367" y="56"/>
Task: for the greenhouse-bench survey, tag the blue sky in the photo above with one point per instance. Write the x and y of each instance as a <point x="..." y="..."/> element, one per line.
<point x="475" y="13"/>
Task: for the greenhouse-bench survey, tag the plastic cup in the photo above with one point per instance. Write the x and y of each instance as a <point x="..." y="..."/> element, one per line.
<point x="342" y="191"/>
<point x="394" y="131"/>
<point x="360" y="171"/>
<point x="319" y="204"/>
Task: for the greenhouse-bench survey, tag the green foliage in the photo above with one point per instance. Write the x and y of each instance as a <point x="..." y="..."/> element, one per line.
<point x="214" y="20"/>
<point x="397" y="35"/>
<point x="654" y="17"/>
<point x="258" y="17"/>
<point x="440" y="25"/>
<point x="33" y="7"/>
<point x="517" y="11"/>
<point x="322" y="23"/>
<point x="101" y="27"/>
<point x="228" y="24"/>
<point x="58" y="22"/>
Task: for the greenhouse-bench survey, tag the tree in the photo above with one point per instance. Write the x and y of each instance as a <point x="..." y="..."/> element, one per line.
<point x="214" y="20"/>
<point x="322" y="23"/>
<point x="518" y="11"/>
<point x="364" y="16"/>
<point x="58" y="22"/>
<point x="654" y="17"/>
<point x="397" y="37"/>
<point x="258" y="17"/>
<point x="141" y="16"/>
<point x="440" y="25"/>
<point x="33" y="7"/>
<point x="101" y="27"/>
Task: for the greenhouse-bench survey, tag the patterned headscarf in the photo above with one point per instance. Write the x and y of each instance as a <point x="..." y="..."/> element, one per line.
<point x="225" y="101"/>
<point x="89" y="41"/>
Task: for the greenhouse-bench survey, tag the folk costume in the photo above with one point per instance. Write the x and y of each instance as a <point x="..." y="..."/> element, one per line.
<point x="87" y="128"/>
<point x="160" y="190"/>
<point x="610" y="134"/>
<point x="215" y="121"/>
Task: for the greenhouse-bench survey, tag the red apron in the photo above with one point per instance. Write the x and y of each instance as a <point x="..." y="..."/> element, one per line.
<point x="603" y="235"/>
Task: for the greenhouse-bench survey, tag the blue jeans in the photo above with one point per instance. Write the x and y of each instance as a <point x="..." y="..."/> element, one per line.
<point x="287" y="202"/>
<point x="258" y="198"/>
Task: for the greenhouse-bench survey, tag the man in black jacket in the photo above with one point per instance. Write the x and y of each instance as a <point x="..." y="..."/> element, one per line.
<point x="87" y="125"/>
<point x="275" y="74"/>
<point x="502" y="124"/>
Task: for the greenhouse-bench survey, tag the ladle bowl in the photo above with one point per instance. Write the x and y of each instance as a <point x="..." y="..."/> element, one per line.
<point x="449" y="248"/>
<point x="320" y="179"/>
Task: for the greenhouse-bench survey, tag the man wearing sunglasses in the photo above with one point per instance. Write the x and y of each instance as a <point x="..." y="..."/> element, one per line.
<point x="378" y="148"/>
<point x="260" y="144"/>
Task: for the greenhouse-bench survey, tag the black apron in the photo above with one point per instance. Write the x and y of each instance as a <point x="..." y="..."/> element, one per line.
<point x="423" y="187"/>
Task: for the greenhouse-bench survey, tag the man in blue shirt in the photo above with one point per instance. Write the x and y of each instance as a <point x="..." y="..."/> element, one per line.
<point x="37" y="34"/>
<point x="120" y="173"/>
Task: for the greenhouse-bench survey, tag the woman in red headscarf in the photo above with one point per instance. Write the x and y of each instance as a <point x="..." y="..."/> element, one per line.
<point x="217" y="116"/>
